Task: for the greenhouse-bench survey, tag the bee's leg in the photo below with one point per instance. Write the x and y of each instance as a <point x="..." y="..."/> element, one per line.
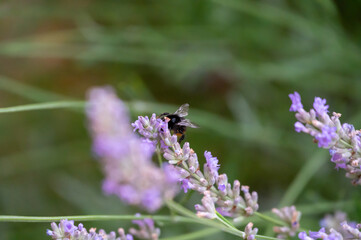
<point x="182" y="138"/>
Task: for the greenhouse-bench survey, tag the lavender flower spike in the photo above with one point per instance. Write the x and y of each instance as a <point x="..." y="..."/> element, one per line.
<point x="67" y="230"/>
<point x="342" y="140"/>
<point x="290" y="216"/>
<point x="210" y="183"/>
<point x="127" y="159"/>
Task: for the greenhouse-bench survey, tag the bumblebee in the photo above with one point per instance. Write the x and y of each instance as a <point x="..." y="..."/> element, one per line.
<point x="177" y="124"/>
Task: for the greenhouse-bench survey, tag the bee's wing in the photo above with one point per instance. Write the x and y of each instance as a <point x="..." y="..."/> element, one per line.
<point x="182" y="110"/>
<point x="187" y="123"/>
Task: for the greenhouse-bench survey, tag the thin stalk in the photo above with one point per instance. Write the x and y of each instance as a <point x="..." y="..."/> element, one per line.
<point x="201" y="234"/>
<point x="266" y="237"/>
<point x="346" y="143"/>
<point x="234" y="230"/>
<point x="225" y="220"/>
<point x="207" y="222"/>
<point x="43" y="106"/>
<point x="11" y="218"/>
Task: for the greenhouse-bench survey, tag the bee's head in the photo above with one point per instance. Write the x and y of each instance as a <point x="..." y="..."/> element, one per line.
<point x="167" y="119"/>
<point x="164" y="117"/>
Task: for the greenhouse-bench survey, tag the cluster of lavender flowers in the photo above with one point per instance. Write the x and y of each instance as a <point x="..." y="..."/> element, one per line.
<point x="214" y="186"/>
<point x="126" y="159"/>
<point x="335" y="222"/>
<point x="343" y="141"/>
<point x="68" y="231"/>
<point x="334" y="227"/>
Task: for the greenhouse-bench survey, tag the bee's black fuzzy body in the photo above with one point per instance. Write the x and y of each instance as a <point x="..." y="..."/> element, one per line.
<point x="177" y="124"/>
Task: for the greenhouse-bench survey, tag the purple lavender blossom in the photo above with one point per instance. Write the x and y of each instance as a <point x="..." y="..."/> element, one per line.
<point x="303" y="236"/>
<point x="320" y="106"/>
<point x="296" y="102"/>
<point x="326" y="137"/>
<point x="148" y="127"/>
<point x="211" y="168"/>
<point x="343" y="140"/>
<point x="339" y="159"/>
<point x="299" y="127"/>
<point x="227" y="198"/>
<point x="291" y="217"/>
<point x="186" y="185"/>
<point x="67" y="230"/>
<point x="109" y="122"/>
<point x="126" y="158"/>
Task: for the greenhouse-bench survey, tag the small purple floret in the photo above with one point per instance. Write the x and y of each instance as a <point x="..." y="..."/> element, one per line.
<point x="186" y="185"/>
<point x="302" y="235"/>
<point x="222" y="187"/>
<point x="296" y="102"/>
<point x="320" y="106"/>
<point x="326" y="137"/>
<point x="49" y="232"/>
<point x="69" y="226"/>
<point x="212" y="162"/>
<point x="299" y="127"/>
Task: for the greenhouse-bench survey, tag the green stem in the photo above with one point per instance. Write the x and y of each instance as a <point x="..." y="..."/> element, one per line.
<point x="225" y="220"/>
<point x="201" y="234"/>
<point x="234" y="230"/>
<point x="266" y="237"/>
<point x="42" y="106"/>
<point x="11" y="218"/>
<point x="346" y="143"/>
<point x="207" y="222"/>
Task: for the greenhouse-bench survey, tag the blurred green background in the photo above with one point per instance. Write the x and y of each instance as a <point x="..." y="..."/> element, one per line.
<point x="233" y="61"/>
